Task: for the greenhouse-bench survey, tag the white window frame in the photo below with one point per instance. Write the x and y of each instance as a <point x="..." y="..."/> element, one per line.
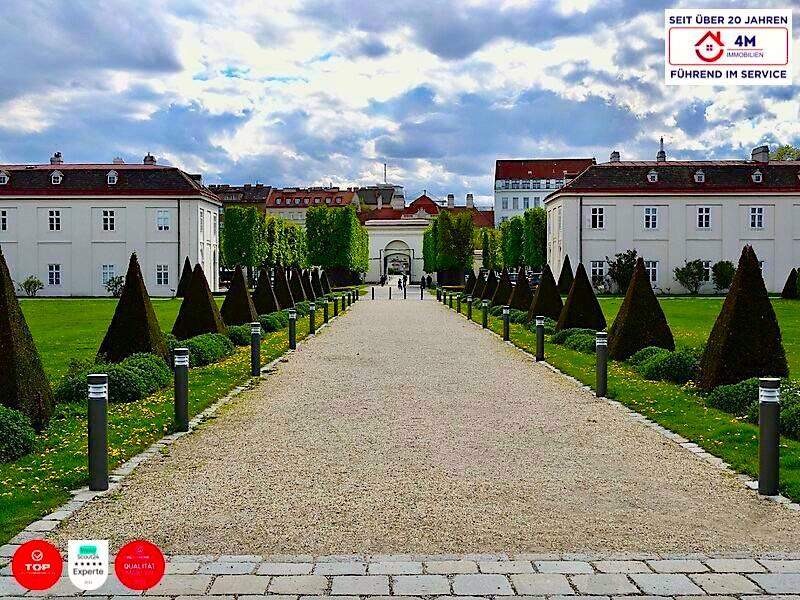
<point x="107" y="272"/>
<point x="598" y="217"/>
<point x="504" y="203"/>
<point x="162" y="274"/>
<point x="757" y="177"/>
<point x="704" y="217"/>
<point x="163" y="219"/>
<point x="277" y="201"/>
<point x="526" y="202"/>
<point x="202" y="224"/>
<point x="4" y="178"/>
<point x="515" y="185"/>
<point x="3" y="219"/>
<point x="54" y="274"/>
<point x="112" y="178"/>
<point x="515" y="203"/>
<point x="652" y="176"/>
<point x="56" y="177"/>
<point x="756" y="217"/>
<point x="109" y="219"/>
<point x="706" y="270"/>
<point x="214" y="228"/>
<point x="598" y="271"/>
<point x="651" y="266"/>
<point x="54" y="219"/>
<point x="650" y="217"/>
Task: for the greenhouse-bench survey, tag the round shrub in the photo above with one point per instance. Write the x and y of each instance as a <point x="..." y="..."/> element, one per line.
<point x="517" y="316"/>
<point x="560" y="337"/>
<point x="301" y="308"/>
<point x="125" y="384"/>
<point x="737" y="398"/>
<point x="239" y="334"/>
<point x="171" y="342"/>
<point x="16" y="434"/>
<point x="677" y="367"/>
<point x="582" y="342"/>
<point x="790" y="421"/>
<point x="73" y="385"/>
<point x="282" y="316"/>
<point x="271" y="322"/>
<point x="151" y="368"/>
<point x="496" y="310"/>
<point x="208" y="348"/>
<point x="646" y="354"/>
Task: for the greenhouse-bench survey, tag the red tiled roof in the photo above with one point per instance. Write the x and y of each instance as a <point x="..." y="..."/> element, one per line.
<point x="303" y="198"/>
<point x="540" y="168"/>
<point x="386" y="213"/>
<point x="480" y="218"/>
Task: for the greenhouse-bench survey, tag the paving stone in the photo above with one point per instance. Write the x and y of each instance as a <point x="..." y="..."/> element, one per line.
<point x="113" y="587"/>
<point x="64" y="587"/>
<point x="240" y="584"/>
<point x="389" y="598"/>
<point x="7" y="550"/>
<point x="541" y="583"/>
<point x="204" y="596"/>
<point x="677" y="566"/>
<point x="725" y="583"/>
<point x="581" y="598"/>
<point x="473" y="598"/>
<point x="340" y="568"/>
<point x="781" y="597"/>
<point x="642" y="598"/>
<point x="360" y="585"/>
<point x="285" y="568"/>
<point x="172" y="585"/>
<point x="621" y="566"/>
<point x="665" y="584"/>
<point x="446" y="567"/>
<point x="298" y="584"/>
<point x="782" y="566"/>
<point x="182" y="568"/>
<point x="708" y="597"/>
<point x="481" y="585"/>
<point x="325" y="597"/>
<point x="240" y="558"/>
<point x="778" y="583"/>
<point x="563" y="566"/>
<point x="261" y="597"/>
<point x="422" y="585"/>
<point x="506" y="566"/>
<point x="735" y="565"/>
<point x="227" y="568"/>
<point x="192" y="558"/>
<point x="603" y="583"/>
<point x="395" y="568"/>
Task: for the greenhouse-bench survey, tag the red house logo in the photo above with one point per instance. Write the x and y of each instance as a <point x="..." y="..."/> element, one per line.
<point x="709" y="48"/>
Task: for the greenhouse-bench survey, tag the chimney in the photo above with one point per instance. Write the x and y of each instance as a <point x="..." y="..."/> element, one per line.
<point x="615" y="156"/>
<point x="57" y="159"/>
<point x="149" y="159"/>
<point x="661" y="156"/>
<point x="118" y="161"/>
<point x="470" y="201"/>
<point x="451" y="200"/>
<point x="760" y="154"/>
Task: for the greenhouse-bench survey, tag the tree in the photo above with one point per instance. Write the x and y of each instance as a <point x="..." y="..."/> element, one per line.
<point x="565" y="279"/>
<point x="429" y="251"/>
<point x="23" y="384"/>
<point x="243" y="240"/>
<point x="186" y="277"/>
<point x="238" y="308"/>
<point x="490" y="287"/>
<point x="337" y="242"/>
<point x="198" y="313"/>
<point x="785" y="152"/>
<point x="486" y="260"/>
<point x="547" y="301"/>
<point x="581" y="308"/>
<point x="691" y="275"/>
<point x="620" y="270"/>
<point x="114" y="285"/>
<point x="134" y="327"/>
<point x="512" y="236"/>
<point x="491" y="254"/>
<point x="722" y="274"/>
<point x="32" y="285"/>
<point x="283" y="291"/>
<point x="640" y="321"/>
<point x="503" y="291"/>
<point x="535" y="242"/>
<point x="470" y="285"/>
<point x="264" y="298"/>
<point x="453" y="246"/>
<point x="790" y="289"/>
<point x="522" y="296"/>
<point x="746" y="339"/>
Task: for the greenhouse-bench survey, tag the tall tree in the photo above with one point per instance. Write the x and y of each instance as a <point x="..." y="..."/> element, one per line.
<point x="243" y="237"/>
<point x="535" y="246"/>
<point x="512" y="235"/>
<point x="337" y="242"/>
<point x="785" y="152"/>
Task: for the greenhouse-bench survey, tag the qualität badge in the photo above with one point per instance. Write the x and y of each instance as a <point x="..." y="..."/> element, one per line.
<point x="139" y="565"/>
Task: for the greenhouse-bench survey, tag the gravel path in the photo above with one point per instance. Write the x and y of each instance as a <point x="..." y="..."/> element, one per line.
<point x="403" y="428"/>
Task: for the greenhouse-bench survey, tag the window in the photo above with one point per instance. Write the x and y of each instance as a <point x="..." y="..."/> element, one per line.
<point x="699" y="177"/>
<point x="651" y="266"/>
<point x="547" y="183"/>
<point x="706" y="270"/>
<point x="537" y="185"/>
<point x="338" y="199"/>
<point x="56" y="177"/>
<point x="756" y="217"/>
<point x="3" y="178"/>
<point x="54" y="274"/>
<point x="277" y="201"/>
<point x="526" y="203"/>
<point x="202" y="257"/>
<point x="162" y="274"/>
<point x="505" y="185"/>
<point x="297" y="201"/>
<point x="214" y="229"/>
<point x="652" y="177"/>
<point x="598" y="217"/>
<point x="162" y="220"/>
<point x="526" y="185"/>
<point x="757" y="177"/>
<point x="317" y="200"/>
<point x="305" y="200"/>
<point x="651" y="217"/>
<point x="107" y="272"/>
<point x="327" y="200"/>
<point x="598" y="271"/>
<point x="515" y="203"/>
<point x="202" y="224"/>
<point x="108" y="220"/>
<point x="515" y="185"/>
<point x="54" y="220"/>
<point x="537" y="201"/>
<point x="704" y="217"/>
<point x="504" y="203"/>
<point x="3" y="220"/>
<point x="112" y="178"/>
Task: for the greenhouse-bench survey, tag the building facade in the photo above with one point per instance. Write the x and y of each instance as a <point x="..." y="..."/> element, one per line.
<point x="243" y="196"/>
<point x="74" y="226"/>
<point x="672" y="212"/>
<point x="292" y="203"/>
<point x="523" y="184"/>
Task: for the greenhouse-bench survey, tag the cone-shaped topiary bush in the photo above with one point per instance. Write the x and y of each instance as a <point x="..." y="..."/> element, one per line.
<point x="480" y="285"/>
<point x="283" y="291"/>
<point x="503" y="291"/>
<point x="264" y="296"/>
<point x="186" y="277"/>
<point x="522" y="296"/>
<point x="565" y="279"/>
<point x="198" y="313"/>
<point x="491" y="286"/>
<point x="308" y="289"/>
<point x="790" y="289"/>
<point x="238" y="309"/>
<point x="547" y="301"/>
<point x="640" y="321"/>
<point x="296" y="285"/>
<point x="746" y="339"/>
<point x="23" y="385"/>
<point x="326" y="284"/>
<point x="134" y="327"/>
<point x="470" y="285"/>
<point x="581" y="308"/>
<point x="316" y="283"/>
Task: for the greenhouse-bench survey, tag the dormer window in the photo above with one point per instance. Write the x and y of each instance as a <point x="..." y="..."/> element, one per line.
<point x="112" y="178"/>
<point x="652" y="176"/>
<point x="757" y="177"/>
<point x="3" y="178"/>
<point x="277" y="200"/>
<point x="56" y="177"/>
<point x="699" y="177"/>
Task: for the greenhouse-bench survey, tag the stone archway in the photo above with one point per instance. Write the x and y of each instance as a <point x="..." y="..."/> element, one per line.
<point x="397" y="257"/>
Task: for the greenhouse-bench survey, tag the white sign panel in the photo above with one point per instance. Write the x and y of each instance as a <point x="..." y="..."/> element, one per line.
<point x="88" y="563"/>
<point x="728" y="47"/>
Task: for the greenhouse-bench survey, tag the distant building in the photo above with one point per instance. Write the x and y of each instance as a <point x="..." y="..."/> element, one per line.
<point x="247" y="195"/>
<point x="74" y="226"/>
<point x="523" y="184"/>
<point x="292" y="203"/>
<point x="380" y="196"/>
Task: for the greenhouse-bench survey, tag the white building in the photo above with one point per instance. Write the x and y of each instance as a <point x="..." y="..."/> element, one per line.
<point x="74" y="226"/>
<point x="676" y="211"/>
<point x="523" y="184"/>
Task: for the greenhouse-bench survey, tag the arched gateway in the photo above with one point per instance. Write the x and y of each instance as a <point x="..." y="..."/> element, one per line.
<point x="397" y="257"/>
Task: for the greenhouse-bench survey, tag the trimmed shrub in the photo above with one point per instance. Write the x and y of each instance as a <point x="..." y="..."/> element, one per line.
<point x="496" y="310"/>
<point x="283" y="292"/>
<point x="790" y="288"/>
<point x="470" y="284"/>
<point x="640" y="321"/>
<point x="326" y="284"/>
<point x="582" y="342"/>
<point x="240" y="334"/>
<point x="517" y="316"/>
<point x="790" y="421"/>
<point x="565" y="279"/>
<point x="72" y="387"/>
<point x="316" y="283"/>
<point x="722" y="273"/>
<point x="504" y="289"/>
<point x="480" y="285"/>
<point x="198" y="313"/>
<point x="238" y="309"/>
<point x="208" y="348"/>
<point x="171" y="342"/>
<point x="547" y="301"/>
<point x="125" y="384"/>
<point x="283" y="317"/>
<point x="559" y="337"/>
<point x="264" y="298"/>
<point x="645" y="354"/>
<point x="23" y="384"/>
<point x="271" y="322"/>
<point x="152" y="369"/>
<point x="296" y="285"/>
<point x="736" y="398"/>
<point x="678" y="367"/>
<point x="186" y="277"/>
<point x="308" y="289"/>
<point x="490" y="288"/>
<point x="16" y="435"/>
<point x="746" y="339"/>
<point x="302" y="309"/>
<point x="581" y="308"/>
<point x="521" y="296"/>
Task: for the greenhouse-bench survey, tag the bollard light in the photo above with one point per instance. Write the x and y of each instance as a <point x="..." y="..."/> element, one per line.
<point x="769" y="420"/>
<point x="373" y="292"/>
<point x="292" y="329"/>
<point x="601" y="353"/>
<point x="506" y="326"/>
<point x="469" y="308"/>
<point x="539" y="338"/>
<point x="325" y="310"/>
<point x="390" y="292"/>
<point x="421" y="291"/>
<point x="98" y="432"/>
<point x="485" y="304"/>
<point x="450" y="300"/>
<point x="255" y="349"/>
<point x="181" y="377"/>
<point x="312" y="318"/>
<point x="438" y="294"/>
<point x="458" y="304"/>
<point x="335" y="306"/>
<point x="404" y="291"/>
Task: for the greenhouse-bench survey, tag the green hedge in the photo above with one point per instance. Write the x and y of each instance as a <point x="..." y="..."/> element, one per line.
<point x="132" y="379"/>
<point x="208" y="348"/>
<point x="16" y="434"/>
<point x="645" y="354"/>
<point x="678" y="367"/>
<point x="560" y="337"/>
<point x="239" y="334"/>
<point x="151" y="368"/>
<point x="582" y="342"/>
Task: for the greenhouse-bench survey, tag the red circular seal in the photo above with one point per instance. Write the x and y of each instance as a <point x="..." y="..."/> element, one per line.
<point x="37" y="565"/>
<point x="139" y="565"/>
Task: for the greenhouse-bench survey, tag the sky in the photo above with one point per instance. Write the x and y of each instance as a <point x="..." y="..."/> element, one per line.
<point x="319" y="92"/>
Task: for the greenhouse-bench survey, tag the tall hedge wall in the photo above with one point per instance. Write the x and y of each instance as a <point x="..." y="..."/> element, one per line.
<point x="535" y="243"/>
<point x="336" y="240"/>
<point x="512" y="242"/>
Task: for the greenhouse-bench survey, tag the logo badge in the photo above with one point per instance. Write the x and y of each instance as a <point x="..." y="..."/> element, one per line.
<point x="88" y="563"/>
<point x="37" y="565"/>
<point x="139" y="565"/>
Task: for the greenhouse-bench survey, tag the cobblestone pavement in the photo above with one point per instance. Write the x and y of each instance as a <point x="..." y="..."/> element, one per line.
<point x="465" y="577"/>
